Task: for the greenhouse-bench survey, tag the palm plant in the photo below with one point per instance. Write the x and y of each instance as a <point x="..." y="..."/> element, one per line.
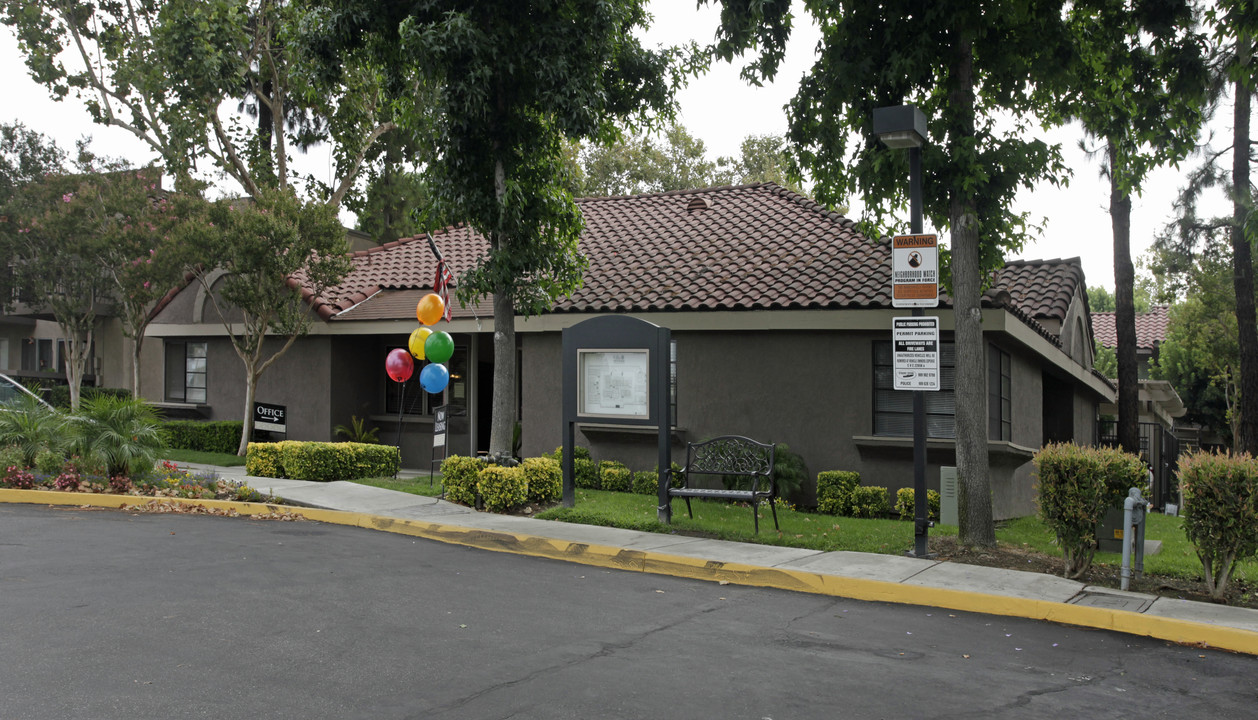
<point x="357" y="431"/>
<point x="122" y="433"/>
<point x="29" y="425"/>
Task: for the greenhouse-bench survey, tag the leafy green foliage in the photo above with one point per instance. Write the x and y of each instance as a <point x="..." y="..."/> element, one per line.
<point x="266" y="459"/>
<point x="459" y="476"/>
<point x="502" y="488"/>
<point x="585" y="474"/>
<point x="834" y="491"/>
<point x="870" y="501"/>
<point x="544" y="478"/>
<point x="123" y="433"/>
<point x="218" y="436"/>
<point x="905" y="499"/>
<point x="1076" y="485"/>
<point x="614" y="476"/>
<point x="357" y="431"/>
<point x="789" y="471"/>
<point x="1104" y="359"/>
<point x="29" y="426"/>
<point x="1220" y="512"/>
<point x="327" y="462"/>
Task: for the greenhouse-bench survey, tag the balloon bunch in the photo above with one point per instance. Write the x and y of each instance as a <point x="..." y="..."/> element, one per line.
<point x="435" y="347"/>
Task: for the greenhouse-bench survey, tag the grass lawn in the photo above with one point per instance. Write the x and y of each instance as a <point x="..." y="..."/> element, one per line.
<point x="415" y="486"/>
<point x="722" y="520"/>
<point x="205" y="458"/>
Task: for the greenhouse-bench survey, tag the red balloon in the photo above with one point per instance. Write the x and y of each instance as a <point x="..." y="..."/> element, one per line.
<point x="399" y="365"/>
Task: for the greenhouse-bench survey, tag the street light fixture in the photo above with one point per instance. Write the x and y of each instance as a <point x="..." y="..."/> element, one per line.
<point x="904" y="127"/>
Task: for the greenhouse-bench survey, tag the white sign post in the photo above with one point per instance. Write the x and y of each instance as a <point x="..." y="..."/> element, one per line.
<point x="915" y="353"/>
<point x="915" y="271"/>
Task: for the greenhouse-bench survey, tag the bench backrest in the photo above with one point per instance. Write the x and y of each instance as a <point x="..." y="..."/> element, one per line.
<point x="730" y="455"/>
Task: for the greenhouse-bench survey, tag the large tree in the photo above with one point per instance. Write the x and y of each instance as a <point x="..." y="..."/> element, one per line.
<point x="171" y="71"/>
<point x="252" y="258"/>
<point x="1233" y="25"/>
<point x="970" y="68"/>
<point x="1138" y="85"/>
<point x="512" y="79"/>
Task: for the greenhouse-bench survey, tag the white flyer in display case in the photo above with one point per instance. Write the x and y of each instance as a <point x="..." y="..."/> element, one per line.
<point x="613" y="383"/>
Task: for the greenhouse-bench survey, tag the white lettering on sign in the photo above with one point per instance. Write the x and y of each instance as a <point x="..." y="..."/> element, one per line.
<point x="915" y="271"/>
<point x="915" y="353"/>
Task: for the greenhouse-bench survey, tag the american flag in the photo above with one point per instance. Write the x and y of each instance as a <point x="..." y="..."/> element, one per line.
<point x="441" y="285"/>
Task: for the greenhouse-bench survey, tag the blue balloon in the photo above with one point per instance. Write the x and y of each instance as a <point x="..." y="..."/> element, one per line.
<point x="434" y="377"/>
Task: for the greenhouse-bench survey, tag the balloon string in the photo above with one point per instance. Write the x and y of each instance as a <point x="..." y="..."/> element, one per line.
<point x="400" y="407"/>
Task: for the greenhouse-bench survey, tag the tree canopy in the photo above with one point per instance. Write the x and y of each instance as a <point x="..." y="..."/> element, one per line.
<point x="510" y="81"/>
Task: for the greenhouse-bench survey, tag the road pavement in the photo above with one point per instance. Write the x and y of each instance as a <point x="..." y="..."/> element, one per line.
<point x="114" y="614"/>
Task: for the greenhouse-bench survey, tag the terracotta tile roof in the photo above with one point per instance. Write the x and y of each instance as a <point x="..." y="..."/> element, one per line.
<point x="751" y="247"/>
<point x="1150" y="328"/>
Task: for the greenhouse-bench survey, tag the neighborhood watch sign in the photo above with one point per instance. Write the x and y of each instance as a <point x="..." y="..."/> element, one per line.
<point x="915" y="271"/>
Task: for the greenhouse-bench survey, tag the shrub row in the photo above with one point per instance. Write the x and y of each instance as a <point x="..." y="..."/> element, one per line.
<point x="839" y="492"/>
<point x="219" y="436"/>
<point x="1076" y="485"/>
<point x="59" y="395"/>
<point x="320" y="461"/>
<point x="905" y="503"/>
<point x="476" y="483"/>
<point x="1220" y="512"/>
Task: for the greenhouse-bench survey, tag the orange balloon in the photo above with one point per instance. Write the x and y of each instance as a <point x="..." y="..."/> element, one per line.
<point x="430" y="309"/>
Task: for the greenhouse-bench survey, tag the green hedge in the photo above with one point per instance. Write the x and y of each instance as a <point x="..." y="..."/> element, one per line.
<point x="502" y="488"/>
<point x="59" y="395"/>
<point x="320" y="461"/>
<point x="834" y="491"/>
<point x="614" y="476"/>
<point x="905" y="503"/>
<point x="870" y="502"/>
<point x="219" y="436"/>
<point x="458" y="475"/>
<point x="544" y="477"/>
<point x="1220" y="512"/>
<point x="586" y="473"/>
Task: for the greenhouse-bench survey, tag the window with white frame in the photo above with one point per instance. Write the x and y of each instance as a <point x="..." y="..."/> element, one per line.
<point x="186" y="371"/>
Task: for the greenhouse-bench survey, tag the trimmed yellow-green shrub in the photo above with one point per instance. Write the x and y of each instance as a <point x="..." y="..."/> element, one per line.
<point x="870" y="502"/>
<point x="834" y="491"/>
<point x="266" y="459"/>
<point x="615" y="476"/>
<point x="646" y="482"/>
<point x="905" y="506"/>
<point x="502" y="488"/>
<point x="544" y="479"/>
<point x="458" y="474"/>
<point x="1076" y="485"/>
<point x="326" y="462"/>
<point x="585" y="473"/>
<point x="1220" y="512"/>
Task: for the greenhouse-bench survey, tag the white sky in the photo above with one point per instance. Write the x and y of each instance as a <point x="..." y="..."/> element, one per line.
<point x="720" y="109"/>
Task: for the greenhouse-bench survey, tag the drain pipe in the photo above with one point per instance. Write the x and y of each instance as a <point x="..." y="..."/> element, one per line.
<point x="1133" y="534"/>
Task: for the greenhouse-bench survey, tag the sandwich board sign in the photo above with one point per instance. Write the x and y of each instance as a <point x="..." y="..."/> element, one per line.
<point x="915" y="271"/>
<point x="915" y="353"/>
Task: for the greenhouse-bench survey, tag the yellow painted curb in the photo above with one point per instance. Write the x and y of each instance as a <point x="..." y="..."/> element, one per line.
<point x="1178" y="631"/>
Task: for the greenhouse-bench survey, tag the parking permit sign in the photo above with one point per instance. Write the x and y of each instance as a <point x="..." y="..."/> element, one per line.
<point x="915" y="271"/>
<point x="915" y="353"/>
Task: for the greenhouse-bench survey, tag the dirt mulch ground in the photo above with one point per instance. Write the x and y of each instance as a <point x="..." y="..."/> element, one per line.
<point x="1239" y="594"/>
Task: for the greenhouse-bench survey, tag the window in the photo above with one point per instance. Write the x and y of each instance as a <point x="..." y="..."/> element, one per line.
<point x="186" y="372"/>
<point x="37" y="354"/>
<point x="893" y="409"/>
<point x="672" y="383"/>
<point x="999" y="401"/>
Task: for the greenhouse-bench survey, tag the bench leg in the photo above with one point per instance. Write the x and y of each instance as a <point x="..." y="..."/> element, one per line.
<point x="755" y="516"/>
<point x="692" y="512"/>
<point x="773" y="506"/>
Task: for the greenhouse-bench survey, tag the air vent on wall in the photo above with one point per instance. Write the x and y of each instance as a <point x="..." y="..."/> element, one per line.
<point x="698" y="203"/>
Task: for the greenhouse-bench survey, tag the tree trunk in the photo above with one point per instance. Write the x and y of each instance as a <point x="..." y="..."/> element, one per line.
<point x="1243" y="265"/>
<point x="504" y="402"/>
<point x="136" y="347"/>
<point x="246" y="430"/>
<point x="1124" y="310"/>
<point x="975" y="499"/>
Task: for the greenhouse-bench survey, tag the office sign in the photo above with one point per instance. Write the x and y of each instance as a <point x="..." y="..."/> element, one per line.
<point x="915" y="271"/>
<point x="915" y="353"/>
<point x="273" y="418"/>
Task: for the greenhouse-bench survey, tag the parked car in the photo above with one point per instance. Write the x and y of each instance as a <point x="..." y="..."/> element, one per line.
<point x="11" y="390"/>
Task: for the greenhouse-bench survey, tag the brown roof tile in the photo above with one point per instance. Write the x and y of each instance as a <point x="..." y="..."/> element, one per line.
<point x="752" y="247"/>
<point x="1150" y="328"/>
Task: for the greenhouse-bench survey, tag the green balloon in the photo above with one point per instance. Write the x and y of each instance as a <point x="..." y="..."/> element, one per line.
<point x="439" y="347"/>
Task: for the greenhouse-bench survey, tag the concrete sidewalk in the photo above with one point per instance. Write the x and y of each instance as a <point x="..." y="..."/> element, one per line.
<point x="865" y="576"/>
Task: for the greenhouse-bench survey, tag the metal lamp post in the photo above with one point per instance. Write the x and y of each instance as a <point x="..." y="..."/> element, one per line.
<point x="900" y="127"/>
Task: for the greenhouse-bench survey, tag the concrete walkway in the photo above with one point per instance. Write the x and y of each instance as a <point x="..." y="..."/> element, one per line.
<point x="866" y="576"/>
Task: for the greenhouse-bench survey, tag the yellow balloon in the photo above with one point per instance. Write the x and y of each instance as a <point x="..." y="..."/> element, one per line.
<point x="416" y="343"/>
<point x="430" y="309"/>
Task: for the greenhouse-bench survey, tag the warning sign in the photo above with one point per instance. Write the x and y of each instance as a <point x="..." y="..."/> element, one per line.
<point x="915" y="353"/>
<point x="915" y="271"/>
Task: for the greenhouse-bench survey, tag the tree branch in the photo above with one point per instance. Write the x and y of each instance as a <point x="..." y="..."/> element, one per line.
<point x="242" y="173"/>
<point x="348" y="180"/>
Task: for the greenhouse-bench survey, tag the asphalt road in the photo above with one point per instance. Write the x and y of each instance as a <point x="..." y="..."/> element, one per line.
<point x="105" y="614"/>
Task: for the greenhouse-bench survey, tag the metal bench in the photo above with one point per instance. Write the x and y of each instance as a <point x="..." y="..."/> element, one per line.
<point x="729" y="455"/>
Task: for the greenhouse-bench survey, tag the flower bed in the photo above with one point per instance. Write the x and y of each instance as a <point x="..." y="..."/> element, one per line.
<point x="166" y="480"/>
